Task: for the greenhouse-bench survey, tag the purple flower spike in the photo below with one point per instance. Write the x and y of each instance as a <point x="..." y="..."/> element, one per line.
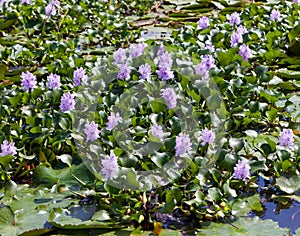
<point x="183" y="144"/>
<point x="203" y="23"/>
<point x="8" y="148"/>
<point x="113" y="120"/>
<point x="208" y="136"/>
<point x="157" y="131"/>
<point x="236" y="38"/>
<point x="28" y="80"/>
<point x="137" y="50"/>
<point x="170" y="96"/>
<point x="53" y="81"/>
<point x="110" y="166"/>
<point x="67" y="102"/>
<point x="245" y="52"/>
<point x="124" y="72"/>
<point x="79" y="76"/>
<point x="165" y="73"/>
<point x="234" y="19"/>
<point x="120" y="56"/>
<point x="286" y="138"/>
<point x="275" y="15"/>
<point x="242" y="170"/>
<point x="91" y="131"/>
<point x="165" y="61"/>
<point x="145" y="71"/>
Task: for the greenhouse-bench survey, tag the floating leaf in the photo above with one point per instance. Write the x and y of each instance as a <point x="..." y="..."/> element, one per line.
<point x="244" y="226"/>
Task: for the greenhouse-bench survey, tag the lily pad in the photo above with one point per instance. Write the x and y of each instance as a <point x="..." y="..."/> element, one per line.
<point x="244" y="226"/>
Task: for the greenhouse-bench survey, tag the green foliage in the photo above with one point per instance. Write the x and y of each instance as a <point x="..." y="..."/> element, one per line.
<point x="259" y="98"/>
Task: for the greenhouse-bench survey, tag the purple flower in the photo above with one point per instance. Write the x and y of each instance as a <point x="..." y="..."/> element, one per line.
<point x="203" y="23"/>
<point x="208" y="136"/>
<point x="208" y="61"/>
<point x="165" y="73"/>
<point x="201" y="69"/>
<point x="242" y="170"/>
<point x="160" y="50"/>
<point x="79" y="76"/>
<point x="55" y="3"/>
<point x="296" y="2"/>
<point x="236" y="38"/>
<point x="120" y="56"/>
<point x="28" y="80"/>
<point x="145" y="71"/>
<point x="50" y="10"/>
<point x="241" y="30"/>
<point x="183" y="144"/>
<point x="91" y="131"/>
<point x="210" y="47"/>
<point x="170" y="96"/>
<point x="165" y="61"/>
<point x="275" y="15"/>
<point x="245" y="52"/>
<point x="67" y="102"/>
<point x="110" y="166"/>
<point x="8" y="148"/>
<point x="157" y="131"/>
<point x="53" y="81"/>
<point x="234" y="19"/>
<point x="124" y="72"/>
<point x="137" y="50"/>
<point x="113" y="120"/>
<point x="286" y="137"/>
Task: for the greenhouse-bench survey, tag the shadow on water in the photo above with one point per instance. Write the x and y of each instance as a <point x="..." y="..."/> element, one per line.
<point x="279" y="208"/>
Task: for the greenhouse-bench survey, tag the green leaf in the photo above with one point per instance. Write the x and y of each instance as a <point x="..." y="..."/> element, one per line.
<point x="244" y="226"/>
<point x="65" y="158"/>
<point x="226" y="58"/>
<point x="131" y="180"/>
<point x="242" y="206"/>
<point x="288" y="184"/>
<point x="5" y="160"/>
<point x="101" y="215"/>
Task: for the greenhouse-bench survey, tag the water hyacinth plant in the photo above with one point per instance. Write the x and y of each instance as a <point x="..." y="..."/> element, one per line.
<point x="107" y="124"/>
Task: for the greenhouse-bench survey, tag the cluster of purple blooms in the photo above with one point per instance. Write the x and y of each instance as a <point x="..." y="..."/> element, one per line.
<point x="51" y="8"/>
<point x="53" y="81"/>
<point x="79" y="77"/>
<point x="204" y="66"/>
<point x="208" y="137"/>
<point x="67" y="102"/>
<point x="28" y="80"/>
<point x="275" y="15"/>
<point x="137" y="50"/>
<point x="164" y="71"/>
<point x="8" y="148"/>
<point x="203" y="23"/>
<point x="145" y="71"/>
<point x="234" y="19"/>
<point x="170" y="96"/>
<point x="286" y="138"/>
<point x="242" y="170"/>
<point x="157" y="131"/>
<point x="113" y="120"/>
<point x="110" y="166"/>
<point x="237" y="37"/>
<point x="91" y="131"/>
<point x="245" y="52"/>
<point x="120" y="57"/>
<point x="183" y="144"/>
